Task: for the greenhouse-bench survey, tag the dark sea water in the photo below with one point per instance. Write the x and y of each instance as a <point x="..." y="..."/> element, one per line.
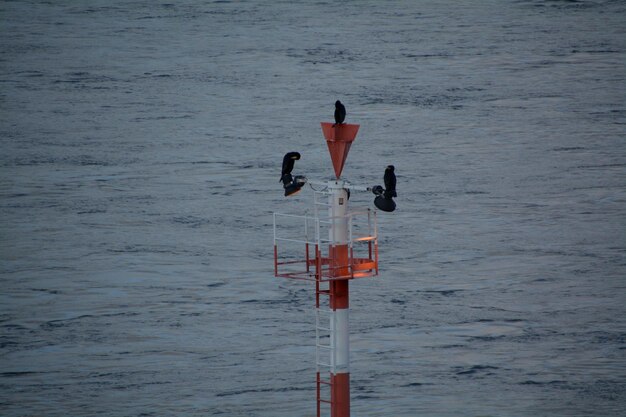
<point x="141" y="145"/>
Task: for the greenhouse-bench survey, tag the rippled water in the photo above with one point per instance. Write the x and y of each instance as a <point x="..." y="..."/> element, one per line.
<point x="141" y="148"/>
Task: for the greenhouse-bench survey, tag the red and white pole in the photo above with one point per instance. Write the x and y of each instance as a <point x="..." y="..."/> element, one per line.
<point x="339" y="300"/>
<point x="339" y="138"/>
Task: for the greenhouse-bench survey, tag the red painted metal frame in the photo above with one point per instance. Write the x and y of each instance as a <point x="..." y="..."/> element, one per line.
<point x="325" y="269"/>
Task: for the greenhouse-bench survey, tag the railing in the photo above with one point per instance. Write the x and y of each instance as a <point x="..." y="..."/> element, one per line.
<point x="300" y="235"/>
<point x="297" y="235"/>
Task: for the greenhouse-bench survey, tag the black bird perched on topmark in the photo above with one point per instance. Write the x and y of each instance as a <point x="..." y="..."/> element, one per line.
<point x="340" y="113"/>
<point x="288" y="163"/>
<point x="390" y="182"/>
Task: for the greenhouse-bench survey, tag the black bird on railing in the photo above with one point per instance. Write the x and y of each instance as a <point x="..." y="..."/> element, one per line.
<point x="390" y="182"/>
<point x="384" y="196"/>
<point x="288" y="163"/>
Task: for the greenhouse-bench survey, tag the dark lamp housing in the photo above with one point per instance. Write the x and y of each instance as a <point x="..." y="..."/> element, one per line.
<point x="377" y="190"/>
<point x="384" y="204"/>
<point x="294" y="186"/>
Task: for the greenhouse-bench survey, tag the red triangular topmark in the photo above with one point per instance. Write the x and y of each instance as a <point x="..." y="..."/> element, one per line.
<point x="339" y="138"/>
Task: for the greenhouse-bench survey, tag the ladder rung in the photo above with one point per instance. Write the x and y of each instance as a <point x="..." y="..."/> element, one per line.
<point x="324" y="346"/>
<point x="325" y="382"/>
<point x="325" y="401"/>
<point x="322" y="312"/>
<point x="323" y="328"/>
<point x="324" y="364"/>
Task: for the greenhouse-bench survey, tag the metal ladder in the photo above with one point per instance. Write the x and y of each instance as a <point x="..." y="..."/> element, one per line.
<point x="320" y="203"/>
<point x="324" y="348"/>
